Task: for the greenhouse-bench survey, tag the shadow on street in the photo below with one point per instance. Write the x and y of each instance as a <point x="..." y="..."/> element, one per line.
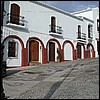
<point x="10" y="72"/>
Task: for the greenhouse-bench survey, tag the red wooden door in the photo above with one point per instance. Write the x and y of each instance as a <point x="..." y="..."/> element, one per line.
<point x="51" y="51"/>
<point x="15" y="11"/>
<point x="34" y="51"/>
<point x="88" y="53"/>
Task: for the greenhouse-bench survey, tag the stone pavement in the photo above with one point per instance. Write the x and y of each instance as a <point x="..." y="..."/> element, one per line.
<point x="66" y="80"/>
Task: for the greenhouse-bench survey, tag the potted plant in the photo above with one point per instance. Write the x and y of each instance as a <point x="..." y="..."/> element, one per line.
<point x="58" y="56"/>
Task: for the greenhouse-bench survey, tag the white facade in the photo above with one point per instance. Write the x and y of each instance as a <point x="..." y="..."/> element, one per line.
<point x="35" y="33"/>
<point x="93" y="14"/>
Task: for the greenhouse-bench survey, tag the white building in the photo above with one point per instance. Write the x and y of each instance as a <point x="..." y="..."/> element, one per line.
<point x="34" y="31"/>
<point x="93" y="14"/>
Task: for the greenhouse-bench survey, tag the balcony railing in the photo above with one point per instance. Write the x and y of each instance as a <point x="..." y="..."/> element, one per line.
<point x="90" y="38"/>
<point x="17" y="20"/>
<point x="55" y="29"/>
<point x="82" y="38"/>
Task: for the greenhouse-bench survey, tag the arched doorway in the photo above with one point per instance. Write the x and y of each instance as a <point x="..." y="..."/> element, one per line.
<point x="20" y="48"/>
<point x="68" y="48"/>
<point x="33" y="51"/>
<point x="90" y="50"/>
<point x="36" y="50"/>
<point x="51" y="47"/>
<point x="80" y="51"/>
<point x="51" y="51"/>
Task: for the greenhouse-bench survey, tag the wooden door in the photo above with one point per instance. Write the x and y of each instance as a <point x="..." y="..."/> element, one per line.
<point x="34" y="51"/>
<point x="51" y="51"/>
<point x="14" y="16"/>
<point x="78" y="51"/>
<point x="88" y="51"/>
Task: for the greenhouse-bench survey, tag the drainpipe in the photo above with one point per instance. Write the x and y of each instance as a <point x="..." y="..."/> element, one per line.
<point x="2" y="96"/>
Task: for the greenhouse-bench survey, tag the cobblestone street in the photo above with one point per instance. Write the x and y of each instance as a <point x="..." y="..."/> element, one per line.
<point x="66" y="80"/>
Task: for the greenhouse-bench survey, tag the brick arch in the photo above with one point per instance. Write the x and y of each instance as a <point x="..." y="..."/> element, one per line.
<point x="73" y="51"/>
<point x="93" y="52"/>
<point x="43" y="49"/>
<point x="67" y="41"/>
<point x="53" y="39"/>
<point x="59" y="46"/>
<point x="22" y="44"/>
<point x="35" y="38"/>
<point x="89" y="44"/>
<point x="16" y="37"/>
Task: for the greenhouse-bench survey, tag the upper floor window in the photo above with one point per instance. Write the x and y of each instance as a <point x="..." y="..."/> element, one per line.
<point x="79" y="31"/>
<point x="53" y="24"/>
<point x="53" y="28"/>
<point x="98" y="25"/>
<point x="14" y="16"/>
<point x="90" y="30"/>
<point x="12" y="48"/>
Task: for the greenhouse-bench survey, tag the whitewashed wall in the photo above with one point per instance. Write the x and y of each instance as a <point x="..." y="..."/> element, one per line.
<point x="39" y="19"/>
<point x="86" y="13"/>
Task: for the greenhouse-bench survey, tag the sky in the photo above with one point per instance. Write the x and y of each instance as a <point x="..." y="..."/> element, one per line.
<point x="72" y="6"/>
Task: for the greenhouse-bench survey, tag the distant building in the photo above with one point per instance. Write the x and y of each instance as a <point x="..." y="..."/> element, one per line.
<point x="34" y="31"/>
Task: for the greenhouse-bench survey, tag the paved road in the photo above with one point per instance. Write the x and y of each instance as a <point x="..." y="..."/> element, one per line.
<point x="66" y="80"/>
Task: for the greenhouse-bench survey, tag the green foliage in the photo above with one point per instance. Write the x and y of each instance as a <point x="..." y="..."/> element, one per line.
<point x="59" y="54"/>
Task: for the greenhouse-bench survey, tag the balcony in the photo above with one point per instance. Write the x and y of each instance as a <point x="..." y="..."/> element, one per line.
<point x="16" y="21"/>
<point x="55" y="30"/>
<point x="82" y="38"/>
<point x="90" y="39"/>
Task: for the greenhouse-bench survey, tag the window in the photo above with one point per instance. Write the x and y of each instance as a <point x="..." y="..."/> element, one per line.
<point x="89" y="31"/>
<point x="53" y="24"/>
<point x="15" y="11"/>
<point x="79" y="31"/>
<point x="12" y="47"/>
<point x="98" y="25"/>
